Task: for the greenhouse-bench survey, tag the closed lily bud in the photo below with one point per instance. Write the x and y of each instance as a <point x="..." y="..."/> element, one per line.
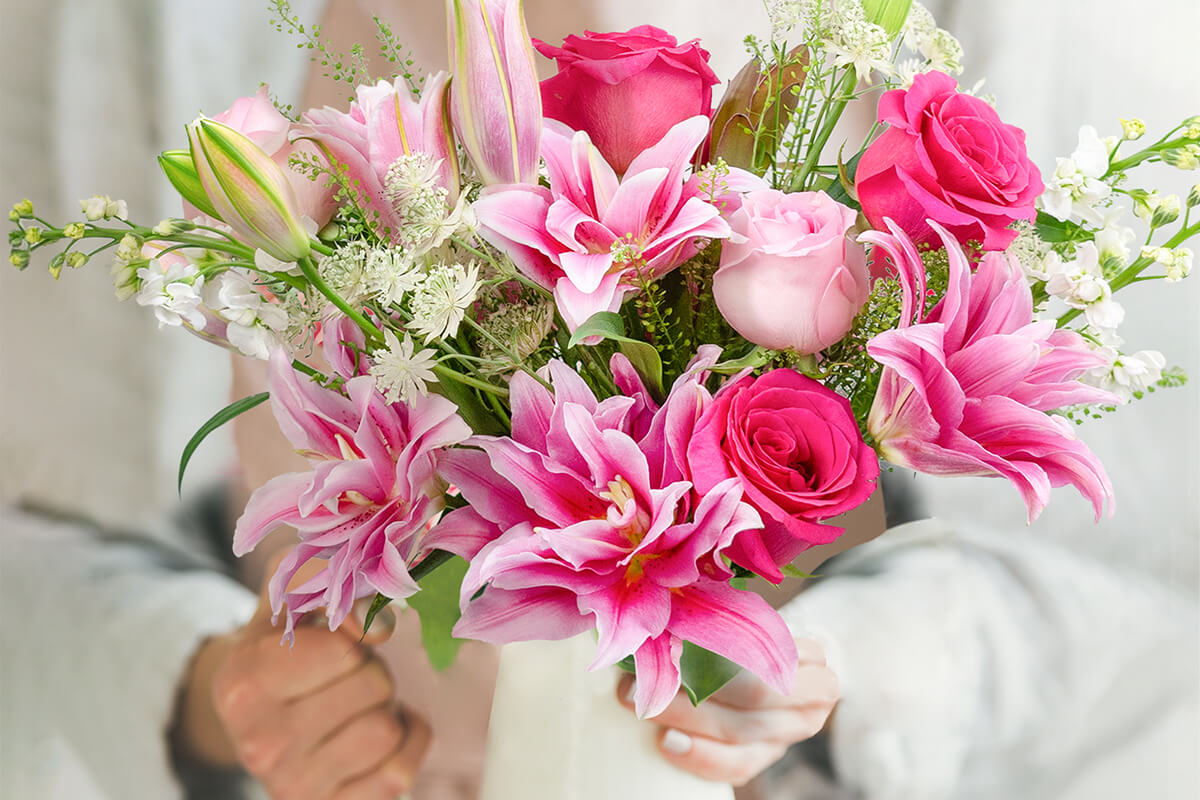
<point x="887" y="14"/>
<point x="177" y="165"/>
<point x="495" y="99"/>
<point x="249" y="191"/>
<point x="749" y="104"/>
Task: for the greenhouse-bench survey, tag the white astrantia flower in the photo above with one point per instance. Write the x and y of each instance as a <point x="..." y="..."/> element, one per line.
<point x="938" y="48"/>
<point x="345" y="271"/>
<point x="857" y="41"/>
<point x="1127" y="375"/>
<point x="1080" y="284"/>
<point x="172" y="289"/>
<point x="399" y="373"/>
<point x="1031" y="252"/>
<point x="441" y="299"/>
<point x="799" y="20"/>
<point x="254" y="325"/>
<point x="389" y="275"/>
<point x="1075" y="187"/>
<point x="413" y="189"/>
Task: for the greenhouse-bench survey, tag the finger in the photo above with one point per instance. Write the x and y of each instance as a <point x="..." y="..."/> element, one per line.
<point x="315" y="716"/>
<point x="395" y="775"/>
<point x="736" y="725"/>
<point x="352" y="751"/>
<point x="735" y="764"/>
<point x="317" y="658"/>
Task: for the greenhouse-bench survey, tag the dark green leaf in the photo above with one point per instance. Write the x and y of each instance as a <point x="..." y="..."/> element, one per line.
<point x="217" y="420"/>
<point x="1051" y="229"/>
<point x="704" y="672"/>
<point x="437" y="606"/>
<point x="378" y="604"/>
<point x="643" y="356"/>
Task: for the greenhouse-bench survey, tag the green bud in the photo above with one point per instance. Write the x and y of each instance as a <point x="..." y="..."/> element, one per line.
<point x="1191" y="127"/>
<point x="75" y="259"/>
<point x="1185" y="157"/>
<point x="1166" y="212"/>
<point x="19" y="258"/>
<point x="33" y="234"/>
<point x="888" y="14"/>
<point x="21" y="210"/>
<point x="180" y="170"/>
<point x="56" y="265"/>
<point x="13" y="216"/>
<point x="16" y="238"/>
<point x="74" y="230"/>
<point x="1193" y="198"/>
<point x="1133" y="129"/>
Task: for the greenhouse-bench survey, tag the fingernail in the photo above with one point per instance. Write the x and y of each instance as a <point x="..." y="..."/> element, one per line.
<point x="676" y="742"/>
<point x="631" y="691"/>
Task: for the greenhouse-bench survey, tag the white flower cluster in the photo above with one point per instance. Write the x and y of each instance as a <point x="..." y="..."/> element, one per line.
<point x="1178" y="262"/>
<point x="859" y="42"/>
<point x="1080" y="283"/>
<point x="414" y="191"/>
<point x="171" y="286"/>
<point x="441" y="299"/>
<point x="399" y="373"/>
<point x="936" y="48"/>
<point x="1127" y="375"/>
<point x="125" y="267"/>
<point x="805" y="20"/>
<point x="1076" y="186"/>
<point x="254" y="326"/>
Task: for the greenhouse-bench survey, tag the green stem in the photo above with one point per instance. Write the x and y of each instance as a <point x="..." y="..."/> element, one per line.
<point x="309" y="269"/>
<point x="844" y="92"/>
<point x="1129" y="274"/>
<point x="1144" y="155"/>
<point x="443" y="371"/>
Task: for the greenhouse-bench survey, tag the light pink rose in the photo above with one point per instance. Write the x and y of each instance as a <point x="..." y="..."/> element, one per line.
<point x="626" y="90"/>
<point x="948" y="157"/>
<point x="257" y="118"/>
<point x="790" y="277"/>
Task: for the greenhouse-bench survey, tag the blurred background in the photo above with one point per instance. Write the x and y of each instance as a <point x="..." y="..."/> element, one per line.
<point x="95" y="404"/>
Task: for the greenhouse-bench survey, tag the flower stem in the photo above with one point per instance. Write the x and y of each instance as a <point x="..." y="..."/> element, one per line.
<point x="309" y="269"/>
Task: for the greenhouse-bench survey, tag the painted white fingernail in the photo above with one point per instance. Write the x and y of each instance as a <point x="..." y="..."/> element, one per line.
<point x="631" y="691"/>
<point x="676" y="742"/>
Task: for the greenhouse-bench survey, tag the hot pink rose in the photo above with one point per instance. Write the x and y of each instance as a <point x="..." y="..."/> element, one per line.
<point x="257" y="118"/>
<point x="946" y="156"/>
<point x="796" y="448"/>
<point x="626" y="89"/>
<point x="790" y="278"/>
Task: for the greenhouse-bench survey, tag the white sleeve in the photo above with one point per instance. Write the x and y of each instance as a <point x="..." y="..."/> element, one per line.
<point x="982" y="665"/>
<point x="96" y="636"/>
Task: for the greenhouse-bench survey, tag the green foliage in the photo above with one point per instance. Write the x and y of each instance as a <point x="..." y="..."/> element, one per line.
<point x="609" y="325"/>
<point x="349" y="68"/>
<point x="215" y="421"/>
<point x="848" y="369"/>
<point x="704" y="672"/>
<point x="437" y="606"/>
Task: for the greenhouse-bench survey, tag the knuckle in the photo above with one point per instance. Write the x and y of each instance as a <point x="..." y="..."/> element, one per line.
<point x="261" y="753"/>
<point x="230" y="693"/>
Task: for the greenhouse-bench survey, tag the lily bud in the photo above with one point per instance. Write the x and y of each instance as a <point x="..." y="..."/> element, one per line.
<point x="495" y="99"/>
<point x="249" y="191"/>
<point x="749" y="104"/>
<point x="181" y="172"/>
<point x="887" y="14"/>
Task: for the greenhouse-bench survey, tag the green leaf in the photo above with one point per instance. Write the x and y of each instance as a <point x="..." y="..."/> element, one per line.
<point x="217" y="420"/>
<point x="888" y="14"/>
<point x="704" y="672"/>
<point x="794" y="572"/>
<point x="1051" y="229"/>
<point x="437" y="606"/>
<point x="757" y="357"/>
<point x="643" y="356"/>
<point x="378" y="604"/>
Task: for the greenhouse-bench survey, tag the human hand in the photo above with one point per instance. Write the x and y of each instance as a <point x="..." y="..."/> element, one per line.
<point x="744" y="727"/>
<point x="313" y="722"/>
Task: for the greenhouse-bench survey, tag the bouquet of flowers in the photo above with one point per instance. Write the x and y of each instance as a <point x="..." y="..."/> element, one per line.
<point x="586" y="353"/>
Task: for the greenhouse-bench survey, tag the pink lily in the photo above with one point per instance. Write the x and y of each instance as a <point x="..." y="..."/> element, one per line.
<point x="496" y="102"/>
<point x="590" y="235"/>
<point x="383" y="124"/>
<point x="372" y="490"/>
<point x="592" y="527"/>
<point x="965" y="389"/>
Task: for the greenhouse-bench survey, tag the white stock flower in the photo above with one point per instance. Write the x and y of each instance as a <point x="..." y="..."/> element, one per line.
<point x="254" y="324"/>
<point x="172" y="288"/>
<point x="1080" y="284"/>
<point x="1127" y="375"/>
<point x="1075" y="187"/>
<point x="441" y="299"/>
<point x="399" y="373"/>
<point x="1178" y="262"/>
<point x="103" y="207"/>
<point x="1112" y="241"/>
